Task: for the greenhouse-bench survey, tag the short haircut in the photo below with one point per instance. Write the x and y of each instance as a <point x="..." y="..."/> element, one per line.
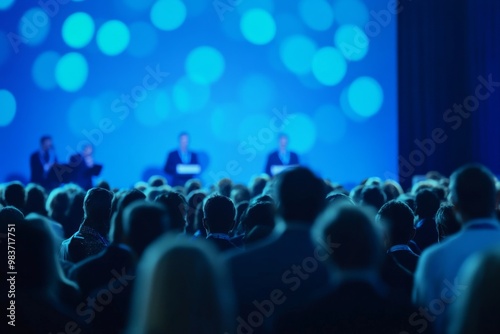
<point x="14" y="194"/>
<point x="373" y="196"/>
<point x="176" y="206"/>
<point x="143" y="222"/>
<point x="446" y="221"/>
<point x="219" y="213"/>
<point x="260" y="213"/>
<point x="398" y="220"/>
<point x="473" y="191"/>
<point x="97" y="208"/>
<point x="300" y="195"/>
<point x="334" y="198"/>
<point x="352" y="238"/>
<point x="426" y="203"/>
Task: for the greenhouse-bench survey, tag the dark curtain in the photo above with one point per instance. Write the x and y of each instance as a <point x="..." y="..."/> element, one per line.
<point x="446" y="50"/>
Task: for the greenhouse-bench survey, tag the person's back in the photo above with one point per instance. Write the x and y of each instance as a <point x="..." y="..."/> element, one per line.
<point x="282" y="271"/>
<point x="426" y="205"/>
<point x="473" y="196"/>
<point x="219" y="218"/>
<point x="92" y="236"/>
<point x="356" y="301"/>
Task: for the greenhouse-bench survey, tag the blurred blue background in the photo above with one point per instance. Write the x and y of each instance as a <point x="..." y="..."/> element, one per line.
<point x="130" y="75"/>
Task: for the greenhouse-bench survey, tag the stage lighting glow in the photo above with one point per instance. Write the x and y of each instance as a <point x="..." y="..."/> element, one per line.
<point x="143" y="39"/>
<point x="257" y="126"/>
<point x="351" y="12"/>
<point x="6" y="4"/>
<point x="316" y="14"/>
<point x="329" y="66"/>
<point x="223" y="120"/>
<point x="331" y="124"/>
<point x="302" y="133"/>
<point x="197" y="7"/>
<point x="138" y="5"/>
<point x="79" y="116"/>
<point x="256" y="92"/>
<point x="34" y="26"/>
<point x="78" y="30"/>
<point x="8" y="105"/>
<point x="153" y="109"/>
<point x="71" y="72"/>
<point x="113" y="37"/>
<point x="297" y="52"/>
<point x="352" y="42"/>
<point x="258" y="26"/>
<point x="244" y="6"/>
<point x="365" y="96"/>
<point x="44" y="68"/>
<point x="205" y="65"/>
<point x="189" y="96"/>
<point x="168" y="14"/>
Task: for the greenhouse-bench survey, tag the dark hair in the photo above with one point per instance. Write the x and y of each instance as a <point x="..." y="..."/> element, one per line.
<point x="219" y="213"/>
<point x="224" y="187"/>
<point x="143" y="222"/>
<point x="446" y="222"/>
<point x="240" y="193"/>
<point x="373" y="196"/>
<point x="473" y="191"/>
<point x="351" y="232"/>
<point x="191" y="185"/>
<point x="97" y="209"/>
<point x="176" y="205"/>
<point x="14" y="195"/>
<point x="257" y="185"/>
<point x="335" y="197"/>
<point x="35" y="199"/>
<point x="116" y="231"/>
<point x="194" y="199"/>
<point x="397" y="219"/>
<point x="300" y="195"/>
<point x="260" y="213"/>
<point x="426" y="203"/>
<point x="10" y="215"/>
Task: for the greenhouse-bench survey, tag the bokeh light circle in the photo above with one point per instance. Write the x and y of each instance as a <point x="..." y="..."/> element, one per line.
<point x="168" y="14"/>
<point x="80" y="115"/>
<point x="34" y="26"/>
<point x="44" y="69"/>
<point x="78" y="30"/>
<point x="71" y="72"/>
<point x="365" y="96"/>
<point x="113" y="37"/>
<point x="242" y="6"/>
<point x="316" y="14"/>
<point x="352" y="42"/>
<point x="190" y="96"/>
<point x="331" y="124"/>
<point x="302" y="132"/>
<point x="6" y="4"/>
<point x="258" y="26"/>
<point x="297" y="52"/>
<point x="8" y="107"/>
<point x="329" y="66"/>
<point x="143" y="39"/>
<point x="205" y="65"/>
<point x="257" y="126"/>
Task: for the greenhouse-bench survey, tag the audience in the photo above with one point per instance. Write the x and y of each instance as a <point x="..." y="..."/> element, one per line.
<point x="355" y="301"/>
<point x="181" y="288"/>
<point x="219" y="218"/>
<point x="355" y="269"/>
<point x="91" y="237"/>
<point x="472" y="193"/>
<point x="396" y="219"/>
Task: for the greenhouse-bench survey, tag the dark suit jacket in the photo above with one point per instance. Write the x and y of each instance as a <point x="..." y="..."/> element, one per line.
<point x="274" y="159"/>
<point x="353" y="307"/>
<point x="84" y="243"/>
<point x="261" y="271"/>
<point x="81" y="174"/>
<point x="170" y="168"/>
<point x="397" y="272"/>
<point x="47" y="180"/>
<point x="221" y="244"/>
<point x="426" y="233"/>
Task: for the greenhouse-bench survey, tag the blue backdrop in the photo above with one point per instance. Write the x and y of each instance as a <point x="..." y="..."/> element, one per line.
<point x="129" y="75"/>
